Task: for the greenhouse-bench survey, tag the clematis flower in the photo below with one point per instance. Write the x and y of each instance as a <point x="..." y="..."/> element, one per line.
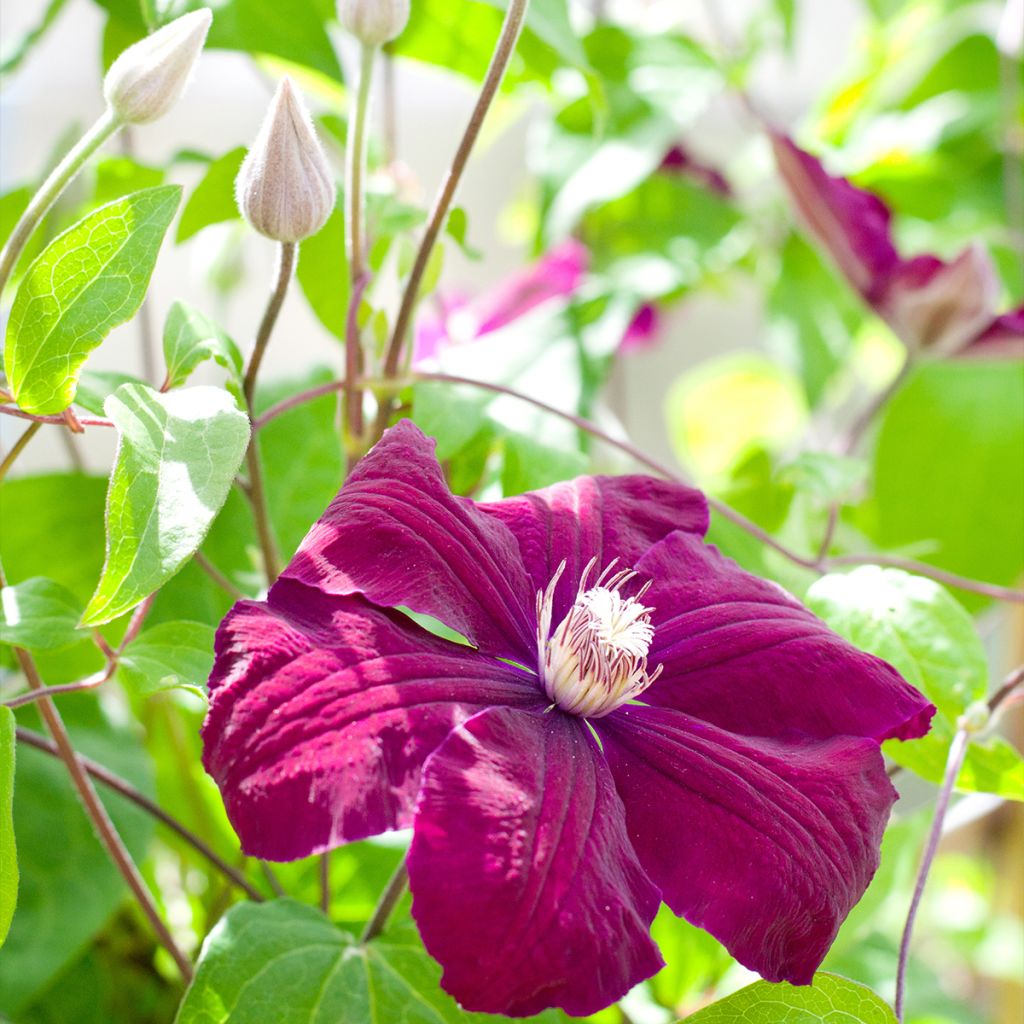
<point x="634" y="720"/>
<point x="943" y="307"/>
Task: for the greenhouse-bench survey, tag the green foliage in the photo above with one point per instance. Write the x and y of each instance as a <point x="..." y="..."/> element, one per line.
<point x="177" y="457"/>
<point x="191" y="338"/>
<point x="172" y="655"/>
<point x="86" y="282"/>
<point x="8" y="843"/>
<point x="39" y="614"/>
<point x="830" y="999"/>
<point x="323" y="274"/>
<point x="213" y="199"/>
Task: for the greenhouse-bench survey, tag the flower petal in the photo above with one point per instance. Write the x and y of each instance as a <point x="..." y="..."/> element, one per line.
<point x="323" y="710"/>
<point x="767" y="845"/>
<point x="396" y="534"/>
<point x="602" y="517"/>
<point x="1003" y="338"/>
<point x="852" y="224"/>
<point x="525" y="885"/>
<point x="739" y="652"/>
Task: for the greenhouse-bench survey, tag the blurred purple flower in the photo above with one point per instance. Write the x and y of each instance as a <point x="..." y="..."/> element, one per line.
<point x="933" y="305"/>
<point x="637" y="720"/>
<point x="679" y="160"/>
<point x="643" y="330"/>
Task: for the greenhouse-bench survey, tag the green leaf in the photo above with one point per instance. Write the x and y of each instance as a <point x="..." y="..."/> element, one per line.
<point x="829" y="1000"/>
<point x="69" y="888"/>
<point x="190" y="338"/>
<point x="172" y="655"/>
<point x="289" y="956"/>
<point x="323" y="274"/>
<point x="8" y="847"/>
<point x="96" y="386"/>
<point x="39" y="614"/>
<point x="828" y="477"/>
<point x="213" y="199"/>
<point x="953" y="429"/>
<point x="85" y="283"/>
<point x="914" y="624"/>
<point x="16" y="50"/>
<point x="530" y="464"/>
<point x="694" y="961"/>
<point x="177" y="456"/>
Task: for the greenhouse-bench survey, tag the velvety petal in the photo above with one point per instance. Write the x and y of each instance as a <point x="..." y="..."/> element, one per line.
<point x="765" y="844"/>
<point x="557" y="274"/>
<point x="942" y="306"/>
<point x="396" y="534"/>
<point x="1003" y="338"/>
<point x="322" y="711"/>
<point x="525" y="885"/>
<point x="739" y="652"/>
<point x="643" y="329"/>
<point x="602" y="517"/>
<point x="852" y="224"/>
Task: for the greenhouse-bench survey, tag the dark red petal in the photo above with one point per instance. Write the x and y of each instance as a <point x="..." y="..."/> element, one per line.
<point x="602" y="517"/>
<point x="396" y="534"/>
<point x="766" y="844"/>
<point x="525" y="885"/>
<point x="323" y="710"/>
<point x="739" y="652"/>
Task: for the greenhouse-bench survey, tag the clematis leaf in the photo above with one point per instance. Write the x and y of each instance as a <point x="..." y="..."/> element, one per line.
<point x="190" y="338"/>
<point x="829" y="998"/>
<point x="61" y="862"/>
<point x="8" y="851"/>
<point x="39" y="614"/>
<point x="213" y="200"/>
<point x="290" y="956"/>
<point x="172" y="655"/>
<point x="323" y="274"/>
<point x="177" y="456"/>
<point x="89" y="280"/>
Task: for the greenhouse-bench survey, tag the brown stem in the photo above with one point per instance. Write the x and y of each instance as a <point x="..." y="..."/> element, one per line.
<point x="18" y="447"/>
<point x="325" y="881"/>
<point x="127" y="790"/>
<point x="515" y="15"/>
<point x="58" y="420"/>
<point x="389" y="898"/>
<point x="218" y="577"/>
<point x="89" y="683"/>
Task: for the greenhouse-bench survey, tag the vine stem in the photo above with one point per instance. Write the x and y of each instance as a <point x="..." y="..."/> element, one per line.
<point x="815" y="564"/>
<point x="57" y="419"/>
<point x="218" y="577"/>
<point x="127" y="790"/>
<point x="515" y="16"/>
<point x="18" y="447"/>
<point x="954" y="762"/>
<point x="59" y="179"/>
<point x="388" y="901"/>
<point x="257" y="492"/>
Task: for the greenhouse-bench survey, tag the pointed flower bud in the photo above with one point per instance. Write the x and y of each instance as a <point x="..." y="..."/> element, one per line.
<point x="374" y="22"/>
<point x="285" y="188"/>
<point x="150" y="76"/>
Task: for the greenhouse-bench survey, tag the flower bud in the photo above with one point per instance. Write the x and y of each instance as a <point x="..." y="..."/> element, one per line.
<point x="374" y="22"/>
<point x="285" y="188"/>
<point x="150" y="76"/>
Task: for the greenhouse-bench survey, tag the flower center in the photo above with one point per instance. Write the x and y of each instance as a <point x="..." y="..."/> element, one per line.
<point x="596" y="658"/>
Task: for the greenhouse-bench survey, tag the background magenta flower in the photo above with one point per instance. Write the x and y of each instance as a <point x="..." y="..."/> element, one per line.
<point x="944" y="307"/>
<point x="637" y="720"/>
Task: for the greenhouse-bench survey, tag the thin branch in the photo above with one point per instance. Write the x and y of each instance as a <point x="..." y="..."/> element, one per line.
<point x="127" y="790"/>
<point x="325" y="881"/>
<point x="515" y="16"/>
<point x="389" y="899"/>
<point x="218" y="577"/>
<point x="89" y="683"/>
<point x="18" y="447"/>
<point x="57" y="420"/>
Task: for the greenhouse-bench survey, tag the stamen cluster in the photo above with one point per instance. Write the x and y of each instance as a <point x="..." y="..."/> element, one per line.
<point x="596" y="659"/>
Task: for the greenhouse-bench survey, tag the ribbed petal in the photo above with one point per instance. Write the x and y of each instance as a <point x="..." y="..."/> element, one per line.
<point x="740" y="653"/>
<point x="525" y="885"/>
<point x="602" y="517"/>
<point x="766" y="844"/>
<point x="396" y="534"/>
<point x="323" y="710"/>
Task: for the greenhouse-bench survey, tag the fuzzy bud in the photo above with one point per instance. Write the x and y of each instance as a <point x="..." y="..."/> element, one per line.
<point x="285" y="188"/>
<point x="150" y="76"/>
<point x="374" y="22"/>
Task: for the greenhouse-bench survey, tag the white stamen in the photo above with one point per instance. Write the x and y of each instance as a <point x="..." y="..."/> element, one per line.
<point x="596" y="659"/>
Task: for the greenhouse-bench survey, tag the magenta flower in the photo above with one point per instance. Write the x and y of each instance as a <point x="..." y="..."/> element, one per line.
<point x="945" y="307"/>
<point x="637" y="720"/>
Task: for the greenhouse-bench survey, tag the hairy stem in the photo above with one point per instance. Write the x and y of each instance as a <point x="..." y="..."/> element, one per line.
<point x="389" y="899"/>
<point x="129" y="792"/>
<point x="515" y="15"/>
<point x="59" y="179"/>
<point x="257" y="492"/>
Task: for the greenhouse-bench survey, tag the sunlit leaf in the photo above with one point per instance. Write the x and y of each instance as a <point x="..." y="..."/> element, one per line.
<point x="213" y="199"/>
<point x="172" y="655"/>
<point x="39" y="614"/>
<point x="85" y="283"/>
<point x="190" y="338"/>
<point x="177" y="457"/>
<point x="8" y="847"/>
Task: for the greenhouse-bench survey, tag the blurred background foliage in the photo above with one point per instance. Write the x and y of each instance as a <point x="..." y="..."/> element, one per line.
<point x="925" y="111"/>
